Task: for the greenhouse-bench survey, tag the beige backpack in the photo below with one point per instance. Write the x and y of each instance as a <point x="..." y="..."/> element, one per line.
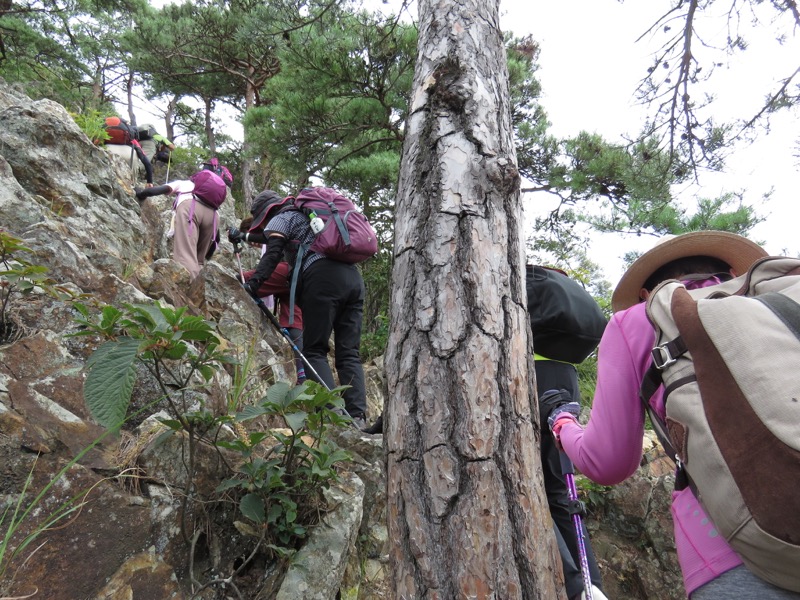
<point x="729" y="359"/>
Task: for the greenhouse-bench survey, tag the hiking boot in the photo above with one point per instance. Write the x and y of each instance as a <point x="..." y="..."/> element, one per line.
<point x="359" y="423"/>
<point x="376" y="427"/>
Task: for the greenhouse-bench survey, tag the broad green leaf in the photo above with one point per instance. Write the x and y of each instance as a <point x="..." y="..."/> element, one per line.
<point x="257" y="437"/>
<point x="275" y="511"/>
<point x="228" y="484"/>
<point x="110" y="316"/>
<point x="250" y="412"/>
<point x="252" y="507"/>
<point x="81" y="308"/>
<point x="280" y="550"/>
<point x="320" y="471"/>
<point x="207" y="371"/>
<point x="162" y="437"/>
<point x="109" y="385"/>
<point x="173" y="424"/>
<point x="278" y="394"/>
<point x="196" y="329"/>
<point x="175" y="352"/>
<point x="296" y="421"/>
<point x="154" y="315"/>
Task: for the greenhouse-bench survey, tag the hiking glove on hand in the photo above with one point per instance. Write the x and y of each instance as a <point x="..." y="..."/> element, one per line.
<point x="558" y="408"/>
<point x="552" y="400"/>
<point x="561" y="415"/>
<point x="235" y="236"/>
<point x="252" y="286"/>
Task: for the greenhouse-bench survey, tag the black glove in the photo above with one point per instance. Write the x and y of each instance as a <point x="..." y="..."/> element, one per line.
<point x="553" y="402"/>
<point x="252" y="285"/>
<point x="140" y="196"/>
<point x="235" y="236"/>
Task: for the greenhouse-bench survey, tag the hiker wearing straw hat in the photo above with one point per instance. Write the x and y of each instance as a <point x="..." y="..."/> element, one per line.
<point x="608" y="450"/>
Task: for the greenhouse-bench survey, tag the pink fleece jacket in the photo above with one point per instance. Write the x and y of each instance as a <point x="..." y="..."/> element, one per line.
<point x="609" y="449"/>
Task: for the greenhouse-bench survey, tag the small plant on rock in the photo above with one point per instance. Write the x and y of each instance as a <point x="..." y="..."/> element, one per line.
<point x="18" y="277"/>
<point x="284" y="472"/>
<point x="93" y="124"/>
<point x="182" y="353"/>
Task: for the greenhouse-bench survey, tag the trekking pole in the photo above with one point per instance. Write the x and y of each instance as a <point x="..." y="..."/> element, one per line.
<point x="133" y="171"/>
<point x="277" y="324"/>
<point x="169" y="160"/>
<point x="237" y="251"/>
<point x="577" y="509"/>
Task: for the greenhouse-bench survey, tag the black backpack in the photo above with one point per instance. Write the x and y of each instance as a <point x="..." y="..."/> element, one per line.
<point x="566" y="321"/>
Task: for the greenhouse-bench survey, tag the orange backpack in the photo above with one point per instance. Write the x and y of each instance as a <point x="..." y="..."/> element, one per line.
<point x="119" y="131"/>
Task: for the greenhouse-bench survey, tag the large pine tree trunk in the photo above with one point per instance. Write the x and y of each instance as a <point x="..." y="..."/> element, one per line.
<point x="468" y="517"/>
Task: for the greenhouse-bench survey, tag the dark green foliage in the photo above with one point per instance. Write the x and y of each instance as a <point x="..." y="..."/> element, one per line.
<point x="279" y="484"/>
<point x="20" y="276"/>
<point x="155" y="336"/>
<point x="337" y="108"/>
<point x="67" y="50"/>
<point x="377" y="273"/>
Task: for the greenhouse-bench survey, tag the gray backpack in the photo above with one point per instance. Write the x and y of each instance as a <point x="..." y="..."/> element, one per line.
<point x="729" y="359"/>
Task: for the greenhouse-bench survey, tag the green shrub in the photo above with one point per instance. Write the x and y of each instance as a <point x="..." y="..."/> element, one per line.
<point x="92" y="123"/>
<point x="18" y="277"/>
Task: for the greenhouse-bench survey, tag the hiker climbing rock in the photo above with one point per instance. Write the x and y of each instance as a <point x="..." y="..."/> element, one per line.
<point x="566" y="325"/>
<point x="277" y="287"/>
<point x="196" y="223"/>
<point x="221" y="170"/>
<point x="156" y="147"/>
<point x="123" y="142"/>
<point x="331" y="296"/>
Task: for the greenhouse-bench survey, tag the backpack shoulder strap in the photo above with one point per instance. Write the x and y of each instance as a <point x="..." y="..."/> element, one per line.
<point x="296" y="271"/>
<point x="786" y="309"/>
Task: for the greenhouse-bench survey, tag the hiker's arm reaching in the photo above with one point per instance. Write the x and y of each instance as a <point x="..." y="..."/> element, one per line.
<point x="270" y="259"/>
<point x="256" y="237"/>
<point x="153" y="191"/>
<point x="251" y="237"/>
<point x="609" y="449"/>
<point x="148" y="168"/>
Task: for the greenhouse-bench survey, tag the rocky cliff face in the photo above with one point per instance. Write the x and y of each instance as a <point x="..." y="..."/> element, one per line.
<point x="72" y="203"/>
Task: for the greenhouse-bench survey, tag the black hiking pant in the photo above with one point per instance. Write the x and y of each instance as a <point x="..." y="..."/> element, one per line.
<point x="332" y="301"/>
<point x="553" y="375"/>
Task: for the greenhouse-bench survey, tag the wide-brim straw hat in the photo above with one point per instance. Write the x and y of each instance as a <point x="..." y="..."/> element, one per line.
<point x="739" y="252"/>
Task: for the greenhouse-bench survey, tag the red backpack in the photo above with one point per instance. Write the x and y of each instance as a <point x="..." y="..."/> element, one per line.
<point x="344" y="233"/>
<point x="119" y="131"/>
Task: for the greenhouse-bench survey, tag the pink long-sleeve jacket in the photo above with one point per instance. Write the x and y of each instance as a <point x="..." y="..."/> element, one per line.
<point x="609" y="449"/>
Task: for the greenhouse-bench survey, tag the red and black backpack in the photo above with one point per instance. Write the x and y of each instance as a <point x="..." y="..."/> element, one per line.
<point x="119" y="131"/>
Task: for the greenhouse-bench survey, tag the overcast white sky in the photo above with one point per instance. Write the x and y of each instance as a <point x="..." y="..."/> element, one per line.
<point x="590" y="66"/>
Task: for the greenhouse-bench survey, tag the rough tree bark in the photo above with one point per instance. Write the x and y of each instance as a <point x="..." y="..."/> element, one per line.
<point x="468" y="517"/>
